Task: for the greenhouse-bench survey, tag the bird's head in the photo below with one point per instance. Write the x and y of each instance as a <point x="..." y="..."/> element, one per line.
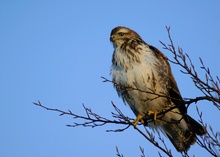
<point x="119" y="35"/>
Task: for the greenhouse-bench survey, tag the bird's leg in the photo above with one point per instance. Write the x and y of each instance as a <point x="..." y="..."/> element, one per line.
<point x="153" y="113"/>
<point x="138" y="119"/>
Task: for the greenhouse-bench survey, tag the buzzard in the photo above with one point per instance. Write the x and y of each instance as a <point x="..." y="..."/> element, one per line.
<point x="143" y="79"/>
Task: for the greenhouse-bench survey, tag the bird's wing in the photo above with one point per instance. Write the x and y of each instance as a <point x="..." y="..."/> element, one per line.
<point x="173" y="90"/>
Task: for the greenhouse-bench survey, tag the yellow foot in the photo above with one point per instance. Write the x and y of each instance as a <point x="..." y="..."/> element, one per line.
<point x="153" y="113"/>
<point x="138" y="119"/>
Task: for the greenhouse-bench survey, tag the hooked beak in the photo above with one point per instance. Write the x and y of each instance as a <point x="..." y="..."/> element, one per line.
<point x="112" y="38"/>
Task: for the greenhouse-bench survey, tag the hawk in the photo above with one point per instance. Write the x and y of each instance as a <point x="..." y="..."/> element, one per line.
<point x="143" y="79"/>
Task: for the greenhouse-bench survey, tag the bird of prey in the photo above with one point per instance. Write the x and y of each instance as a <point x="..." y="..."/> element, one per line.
<point x="143" y="79"/>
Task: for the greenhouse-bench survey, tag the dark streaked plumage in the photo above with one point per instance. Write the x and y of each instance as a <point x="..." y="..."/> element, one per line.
<point x="137" y="65"/>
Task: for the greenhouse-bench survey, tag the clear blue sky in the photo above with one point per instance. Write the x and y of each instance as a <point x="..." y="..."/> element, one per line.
<point x="56" y="52"/>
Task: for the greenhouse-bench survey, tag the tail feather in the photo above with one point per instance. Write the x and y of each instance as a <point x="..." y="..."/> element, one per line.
<point x="194" y="126"/>
<point x="182" y="139"/>
<point x="182" y="142"/>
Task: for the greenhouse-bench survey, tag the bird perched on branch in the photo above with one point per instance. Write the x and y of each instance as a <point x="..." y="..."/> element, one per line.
<point x="143" y="79"/>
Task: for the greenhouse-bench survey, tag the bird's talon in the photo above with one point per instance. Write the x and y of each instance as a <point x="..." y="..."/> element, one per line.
<point x="137" y="120"/>
<point x="153" y="113"/>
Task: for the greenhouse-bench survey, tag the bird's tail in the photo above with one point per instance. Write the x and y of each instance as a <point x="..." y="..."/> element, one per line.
<point x="194" y="126"/>
<point x="182" y="139"/>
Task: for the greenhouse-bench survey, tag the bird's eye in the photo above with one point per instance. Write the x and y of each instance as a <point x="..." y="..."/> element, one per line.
<point x="120" y="34"/>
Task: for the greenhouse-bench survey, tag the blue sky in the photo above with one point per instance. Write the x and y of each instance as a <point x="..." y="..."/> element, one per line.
<point x="56" y="52"/>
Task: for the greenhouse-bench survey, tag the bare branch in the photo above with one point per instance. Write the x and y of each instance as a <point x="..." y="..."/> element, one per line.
<point x="142" y="152"/>
<point x="118" y="153"/>
<point x="90" y="120"/>
<point x="209" y="87"/>
<point x="210" y="141"/>
<point x="94" y="120"/>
